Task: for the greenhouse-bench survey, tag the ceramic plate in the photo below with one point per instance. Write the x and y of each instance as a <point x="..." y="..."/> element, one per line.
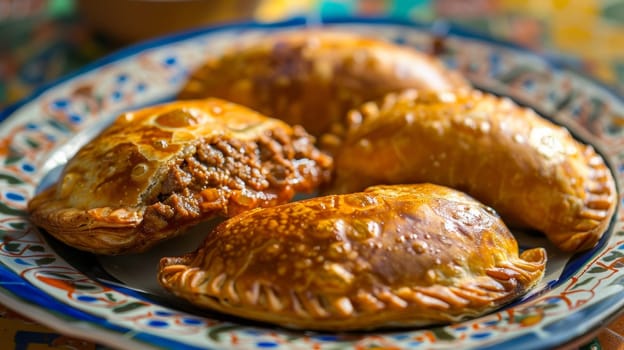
<point x="116" y="301"/>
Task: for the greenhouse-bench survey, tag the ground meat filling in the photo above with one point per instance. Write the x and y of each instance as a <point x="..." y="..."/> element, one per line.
<point x="226" y="176"/>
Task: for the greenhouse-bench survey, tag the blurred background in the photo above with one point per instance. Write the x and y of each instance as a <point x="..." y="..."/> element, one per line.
<point x="41" y="40"/>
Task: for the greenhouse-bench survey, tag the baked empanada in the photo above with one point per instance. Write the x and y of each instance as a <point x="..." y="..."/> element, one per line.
<point x="403" y="255"/>
<point x="158" y="170"/>
<point x="534" y="173"/>
<point x="313" y="77"/>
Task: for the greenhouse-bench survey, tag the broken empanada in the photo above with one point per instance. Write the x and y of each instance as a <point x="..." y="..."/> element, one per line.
<point x="402" y="255"/>
<point x="313" y="77"/>
<point x="534" y="173"/>
<point x="158" y="170"/>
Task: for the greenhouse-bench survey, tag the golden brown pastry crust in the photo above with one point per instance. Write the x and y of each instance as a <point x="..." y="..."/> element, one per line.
<point x="403" y="255"/>
<point x="534" y="173"/>
<point x="313" y="77"/>
<point x="157" y="170"/>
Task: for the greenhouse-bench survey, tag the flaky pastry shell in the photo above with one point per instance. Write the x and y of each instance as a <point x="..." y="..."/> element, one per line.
<point x="313" y="77"/>
<point x="403" y="255"/>
<point x="157" y="170"/>
<point x="533" y="172"/>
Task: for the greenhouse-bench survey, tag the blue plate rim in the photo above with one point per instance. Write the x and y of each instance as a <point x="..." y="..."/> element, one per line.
<point x="449" y="29"/>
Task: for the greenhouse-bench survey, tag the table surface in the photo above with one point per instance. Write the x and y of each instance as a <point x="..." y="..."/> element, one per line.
<point x="47" y="39"/>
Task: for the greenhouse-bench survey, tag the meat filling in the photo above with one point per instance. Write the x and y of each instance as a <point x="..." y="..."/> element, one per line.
<point x="228" y="176"/>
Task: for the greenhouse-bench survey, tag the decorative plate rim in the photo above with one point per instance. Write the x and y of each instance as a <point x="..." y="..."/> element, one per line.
<point x="437" y="27"/>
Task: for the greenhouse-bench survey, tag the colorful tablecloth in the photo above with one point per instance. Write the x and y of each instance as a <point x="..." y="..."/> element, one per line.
<point x="42" y="40"/>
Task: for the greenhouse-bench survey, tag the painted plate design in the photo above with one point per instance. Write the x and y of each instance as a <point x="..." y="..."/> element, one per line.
<point x="116" y="300"/>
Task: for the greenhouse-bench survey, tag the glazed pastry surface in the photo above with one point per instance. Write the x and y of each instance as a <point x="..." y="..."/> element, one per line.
<point x="313" y="77"/>
<point x="534" y="173"/>
<point x="157" y="170"/>
<point x="402" y="255"/>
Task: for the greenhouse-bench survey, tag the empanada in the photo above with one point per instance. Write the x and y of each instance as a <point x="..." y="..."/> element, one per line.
<point x="533" y="172"/>
<point x="402" y="255"/>
<point x="157" y="170"/>
<point x="313" y="77"/>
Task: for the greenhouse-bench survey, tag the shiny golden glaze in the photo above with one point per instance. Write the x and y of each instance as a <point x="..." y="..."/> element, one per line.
<point x="531" y="171"/>
<point x="400" y="255"/>
<point x="313" y="77"/>
<point x="157" y="170"/>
